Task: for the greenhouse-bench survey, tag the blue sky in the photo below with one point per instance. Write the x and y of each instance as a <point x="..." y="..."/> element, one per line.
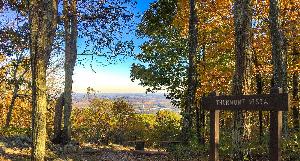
<point x="112" y="78"/>
<point x="107" y="79"/>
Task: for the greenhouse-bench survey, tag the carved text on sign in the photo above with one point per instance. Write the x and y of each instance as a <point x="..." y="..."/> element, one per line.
<point x="237" y="102"/>
<point x="258" y="101"/>
<point x="264" y="102"/>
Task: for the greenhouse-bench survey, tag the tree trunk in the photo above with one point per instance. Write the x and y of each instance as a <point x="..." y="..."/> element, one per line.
<point x="201" y="111"/>
<point x="276" y="44"/>
<point x="259" y="90"/>
<point x="15" y="92"/>
<point x="42" y="21"/>
<point x="11" y="106"/>
<point x="284" y="49"/>
<point x="70" y="23"/>
<point x="241" y="84"/>
<point x="13" y="99"/>
<point x="198" y="124"/>
<point x="57" y="137"/>
<point x="190" y="103"/>
<point x="278" y="57"/>
<point x="295" y="107"/>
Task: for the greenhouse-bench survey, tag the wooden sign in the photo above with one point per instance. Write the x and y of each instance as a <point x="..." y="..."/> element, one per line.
<point x="276" y="102"/>
<point x="266" y="102"/>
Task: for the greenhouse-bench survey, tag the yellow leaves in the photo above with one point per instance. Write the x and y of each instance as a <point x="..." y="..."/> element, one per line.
<point x="214" y="78"/>
<point x="294" y="67"/>
<point x="182" y="18"/>
<point x="2" y="57"/>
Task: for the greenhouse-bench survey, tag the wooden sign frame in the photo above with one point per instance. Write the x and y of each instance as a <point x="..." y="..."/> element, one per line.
<point x="266" y="102"/>
<point x="276" y="102"/>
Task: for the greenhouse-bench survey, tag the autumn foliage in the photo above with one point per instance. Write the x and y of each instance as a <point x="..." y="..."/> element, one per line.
<point x="161" y="65"/>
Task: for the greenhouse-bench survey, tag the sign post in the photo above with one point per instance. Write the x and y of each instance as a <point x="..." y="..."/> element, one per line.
<point x="214" y="132"/>
<point x="276" y="102"/>
<point x="275" y="130"/>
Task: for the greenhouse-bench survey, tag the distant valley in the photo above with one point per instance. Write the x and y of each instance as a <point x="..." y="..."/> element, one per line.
<point x="142" y="103"/>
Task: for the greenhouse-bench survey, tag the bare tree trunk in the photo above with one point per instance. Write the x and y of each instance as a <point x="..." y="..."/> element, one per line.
<point x="11" y="106"/>
<point x="190" y="103"/>
<point x="201" y="111"/>
<point x="276" y="44"/>
<point x="242" y="23"/>
<point x="70" y="23"/>
<point x="42" y="28"/>
<point x="284" y="45"/>
<point x="278" y="57"/>
<point x="15" y="92"/>
<point x="259" y="90"/>
<point x="57" y="137"/>
<point x="14" y="97"/>
<point x="198" y="124"/>
<point x="295" y="107"/>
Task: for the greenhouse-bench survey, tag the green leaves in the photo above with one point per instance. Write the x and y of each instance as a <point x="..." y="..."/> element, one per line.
<point x="164" y="56"/>
<point x="158" y="19"/>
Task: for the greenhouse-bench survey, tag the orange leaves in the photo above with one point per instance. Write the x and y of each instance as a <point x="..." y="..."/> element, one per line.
<point x="21" y="116"/>
<point x="216" y="35"/>
<point x="289" y="14"/>
<point x="263" y="69"/>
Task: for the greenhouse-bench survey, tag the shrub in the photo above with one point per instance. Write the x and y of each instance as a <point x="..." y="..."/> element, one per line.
<point x="167" y="126"/>
<point x="105" y="121"/>
<point x="93" y="123"/>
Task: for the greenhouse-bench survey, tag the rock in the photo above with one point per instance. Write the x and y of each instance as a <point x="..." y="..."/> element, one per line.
<point x="19" y="142"/>
<point x="13" y="143"/>
<point x="70" y="148"/>
<point x="2" y="144"/>
<point x="26" y="145"/>
<point x="2" y="150"/>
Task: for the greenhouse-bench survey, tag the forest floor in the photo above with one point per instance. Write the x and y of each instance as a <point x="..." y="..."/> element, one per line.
<point x="18" y="149"/>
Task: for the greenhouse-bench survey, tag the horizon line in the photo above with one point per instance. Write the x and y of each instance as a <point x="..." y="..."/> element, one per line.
<point x="122" y="93"/>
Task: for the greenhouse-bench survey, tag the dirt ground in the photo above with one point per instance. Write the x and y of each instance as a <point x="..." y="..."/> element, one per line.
<point x="18" y="149"/>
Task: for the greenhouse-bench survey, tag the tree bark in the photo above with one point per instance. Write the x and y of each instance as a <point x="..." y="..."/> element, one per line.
<point x="276" y="44"/>
<point x="259" y="90"/>
<point x="57" y="136"/>
<point x="295" y="108"/>
<point x="278" y="57"/>
<point x="201" y="116"/>
<point x="284" y="45"/>
<point x="42" y="21"/>
<point x="241" y="82"/>
<point x="190" y="103"/>
<point x="15" y="92"/>
<point x="198" y="124"/>
<point x="14" y="97"/>
<point x="70" y="23"/>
